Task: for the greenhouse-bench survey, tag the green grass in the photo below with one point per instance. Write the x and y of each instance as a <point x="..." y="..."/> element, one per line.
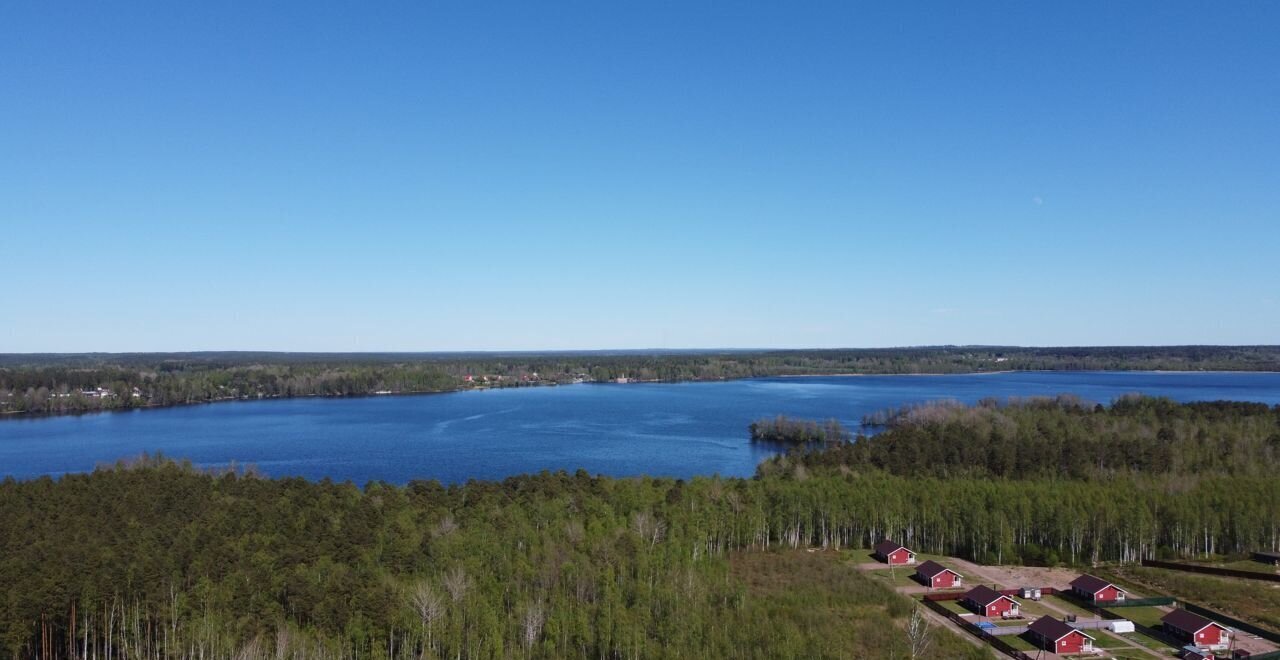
<point x="955" y="606"/>
<point x="1147" y="616"/>
<point x="1018" y="642"/>
<point x="1105" y="640"/>
<point x="1243" y="565"/>
<point x="811" y="605"/>
<point x="898" y="577"/>
<point x="1066" y="605"/>
<point x="1126" y="654"/>
<point x="1149" y="642"/>
<point x="1254" y="601"/>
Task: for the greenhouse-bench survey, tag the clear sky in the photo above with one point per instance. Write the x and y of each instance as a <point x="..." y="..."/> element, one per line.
<point x="550" y="175"/>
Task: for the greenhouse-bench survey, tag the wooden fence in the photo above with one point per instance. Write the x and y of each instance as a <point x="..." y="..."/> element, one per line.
<point x="999" y="644"/>
<point x="1212" y="570"/>
<point x="1138" y="602"/>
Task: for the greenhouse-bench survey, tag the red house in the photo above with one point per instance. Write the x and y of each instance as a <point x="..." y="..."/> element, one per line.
<point x="990" y="603"/>
<point x="936" y="576"/>
<point x="1196" y="629"/>
<point x="894" y="554"/>
<point x="1054" y="635"/>
<point x="1096" y="589"/>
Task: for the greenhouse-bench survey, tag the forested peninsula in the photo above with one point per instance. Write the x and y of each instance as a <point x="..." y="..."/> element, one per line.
<point x="35" y="384"/>
<point x="152" y="558"/>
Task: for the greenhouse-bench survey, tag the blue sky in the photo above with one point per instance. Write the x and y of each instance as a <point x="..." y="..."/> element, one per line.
<point x="447" y="176"/>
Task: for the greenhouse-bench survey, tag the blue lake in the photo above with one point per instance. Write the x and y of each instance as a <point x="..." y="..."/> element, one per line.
<point x="660" y="429"/>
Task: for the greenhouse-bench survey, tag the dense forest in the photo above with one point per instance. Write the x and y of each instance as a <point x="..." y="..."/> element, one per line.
<point x="1065" y="437"/>
<point x="155" y="559"/>
<point x="69" y="383"/>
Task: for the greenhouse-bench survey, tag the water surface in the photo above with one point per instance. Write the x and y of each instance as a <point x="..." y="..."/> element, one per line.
<point x="661" y="429"/>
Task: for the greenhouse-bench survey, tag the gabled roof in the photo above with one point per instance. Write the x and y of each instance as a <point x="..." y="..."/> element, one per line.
<point x="984" y="595"/>
<point x="1188" y="621"/>
<point x="931" y="568"/>
<point x="1053" y="629"/>
<point x="887" y="547"/>
<point x="1092" y="585"/>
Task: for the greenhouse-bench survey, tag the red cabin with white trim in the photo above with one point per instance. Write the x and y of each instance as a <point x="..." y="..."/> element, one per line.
<point x="894" y="554"/>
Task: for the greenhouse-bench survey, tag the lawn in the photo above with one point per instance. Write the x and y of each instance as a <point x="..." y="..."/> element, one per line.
<point x="1017" y="642"/>
<point x="1127" y="654"/>
<point x="955" y="606"/>
<point x="897" y="577"/>
<point x="1244" y="565"/>
<point x="1105" y="640"/>
<point x="1147" y="616"/>
<point x="1067" y="605"/>
<point x="1150" y="642"/>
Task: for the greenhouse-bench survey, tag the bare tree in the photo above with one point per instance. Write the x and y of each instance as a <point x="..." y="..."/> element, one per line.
<point x="534" y="616"/>
<point x="456" y="583"/>
<point x="647" y="527"/>
<point x="445" y="527"/>
<point x="429" y="607"/>
<point x="919" y="633"/>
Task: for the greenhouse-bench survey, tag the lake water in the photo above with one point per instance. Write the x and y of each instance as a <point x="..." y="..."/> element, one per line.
<point x="661" y="429"/>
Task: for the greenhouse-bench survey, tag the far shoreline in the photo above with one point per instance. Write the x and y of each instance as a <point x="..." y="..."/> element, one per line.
<point x="25" y="415"/>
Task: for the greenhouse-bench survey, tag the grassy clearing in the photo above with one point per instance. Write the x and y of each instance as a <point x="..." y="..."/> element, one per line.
<point x="1019" y="642"/>
<point x="897" y="577"/>
<point x="1105" y="640"/>
<point x="1147" y="616"/>
<point x="955" y="606"/>
<point x="1150" y="642"/>
<point x="1066" y="605"/>
<point x="1126" y="654"/>
<point x="1250" y="600"/>
<point x="799" y="604"/>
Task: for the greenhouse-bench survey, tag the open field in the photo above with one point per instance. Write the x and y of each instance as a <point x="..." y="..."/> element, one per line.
<point x="807" y="591"/>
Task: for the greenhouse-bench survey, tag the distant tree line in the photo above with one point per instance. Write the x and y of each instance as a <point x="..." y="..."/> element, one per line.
<point x="69" y="383"/>
<point x="1065" y="438"/>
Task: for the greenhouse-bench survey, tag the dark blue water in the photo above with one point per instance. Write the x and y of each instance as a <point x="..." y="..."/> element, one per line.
<point x="677" y="430"/>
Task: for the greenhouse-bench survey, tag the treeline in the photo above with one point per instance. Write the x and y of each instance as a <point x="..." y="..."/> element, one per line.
<point x="788" y="431"/>
<point x="58" y="383"/>
<point x="1067" y="438"/>
<point x="158" y="560"/>
<point x="162" y="561"/>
